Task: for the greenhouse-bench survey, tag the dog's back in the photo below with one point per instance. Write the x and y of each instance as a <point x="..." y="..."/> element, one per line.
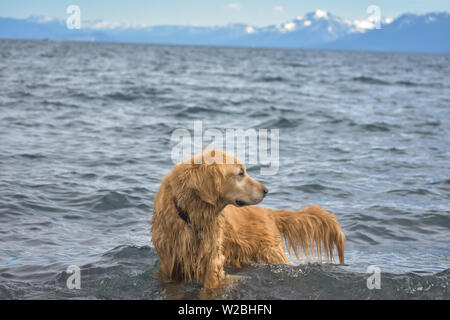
<point x="255" y="234"/>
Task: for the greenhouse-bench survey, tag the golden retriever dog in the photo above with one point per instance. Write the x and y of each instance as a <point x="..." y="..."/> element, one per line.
<point x="204" y="218"/>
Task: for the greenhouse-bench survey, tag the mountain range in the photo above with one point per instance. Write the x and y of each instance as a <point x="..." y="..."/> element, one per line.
<point x="316" y="30"/>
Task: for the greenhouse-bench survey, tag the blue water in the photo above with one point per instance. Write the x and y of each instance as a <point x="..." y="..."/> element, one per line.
<point x="85" y="139"/>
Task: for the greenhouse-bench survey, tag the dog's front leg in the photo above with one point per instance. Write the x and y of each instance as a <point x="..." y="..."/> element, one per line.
<point x="215" y="275"/>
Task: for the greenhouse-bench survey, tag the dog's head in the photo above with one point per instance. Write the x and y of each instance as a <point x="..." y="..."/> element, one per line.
<point x="217" y="179"/>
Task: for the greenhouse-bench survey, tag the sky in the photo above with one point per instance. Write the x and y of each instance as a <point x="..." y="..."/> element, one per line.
<point x="211" y="12"/>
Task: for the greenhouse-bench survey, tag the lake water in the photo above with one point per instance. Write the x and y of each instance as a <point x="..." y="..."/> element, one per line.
<point x="85" y="139"/>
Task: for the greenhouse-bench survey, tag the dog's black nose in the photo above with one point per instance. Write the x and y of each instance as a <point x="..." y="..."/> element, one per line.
<point x="265" y="191"/>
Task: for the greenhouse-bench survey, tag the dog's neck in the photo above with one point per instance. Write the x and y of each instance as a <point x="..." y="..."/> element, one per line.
<point x="194" y="211"/>
<point x="184" y="215"/>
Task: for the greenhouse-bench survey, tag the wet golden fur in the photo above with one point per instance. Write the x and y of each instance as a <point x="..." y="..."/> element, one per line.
<point x="221" y="233"/>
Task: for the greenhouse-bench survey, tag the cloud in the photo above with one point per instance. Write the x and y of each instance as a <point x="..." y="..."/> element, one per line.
<point x="234" y="6"/>
<point x="278" y="9"/>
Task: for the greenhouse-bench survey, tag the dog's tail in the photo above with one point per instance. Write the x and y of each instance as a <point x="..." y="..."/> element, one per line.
<point x="309" y="228"/>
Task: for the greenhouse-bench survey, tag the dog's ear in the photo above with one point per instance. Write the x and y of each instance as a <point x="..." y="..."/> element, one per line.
<point x="205" y="181"/>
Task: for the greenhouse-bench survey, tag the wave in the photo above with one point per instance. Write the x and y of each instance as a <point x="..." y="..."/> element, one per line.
<point x="271" y="79"/>
<point x="279" y="122"/>
<point x="378" y="127"/>
<point x="406" y="83"/>
<point x="415" y="84"/>
<point x="197" y="110"/>
<point x="297" y="65"/>
<point x="318" y="188"/>
<point x="130" y="272"/>
<point x="137" y="92"/>
<point x="370" y="80"/>
<point x="419" y="192"/>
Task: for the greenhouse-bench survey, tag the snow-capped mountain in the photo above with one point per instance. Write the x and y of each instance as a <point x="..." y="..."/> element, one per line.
<point x="409" y="32"/>
<point x="320" y="29"/>
<point x="309" y="31"/>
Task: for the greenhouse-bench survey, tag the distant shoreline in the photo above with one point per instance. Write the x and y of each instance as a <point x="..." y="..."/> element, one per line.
<point x="320" y="30"/>
<point x="220" y="46"/>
